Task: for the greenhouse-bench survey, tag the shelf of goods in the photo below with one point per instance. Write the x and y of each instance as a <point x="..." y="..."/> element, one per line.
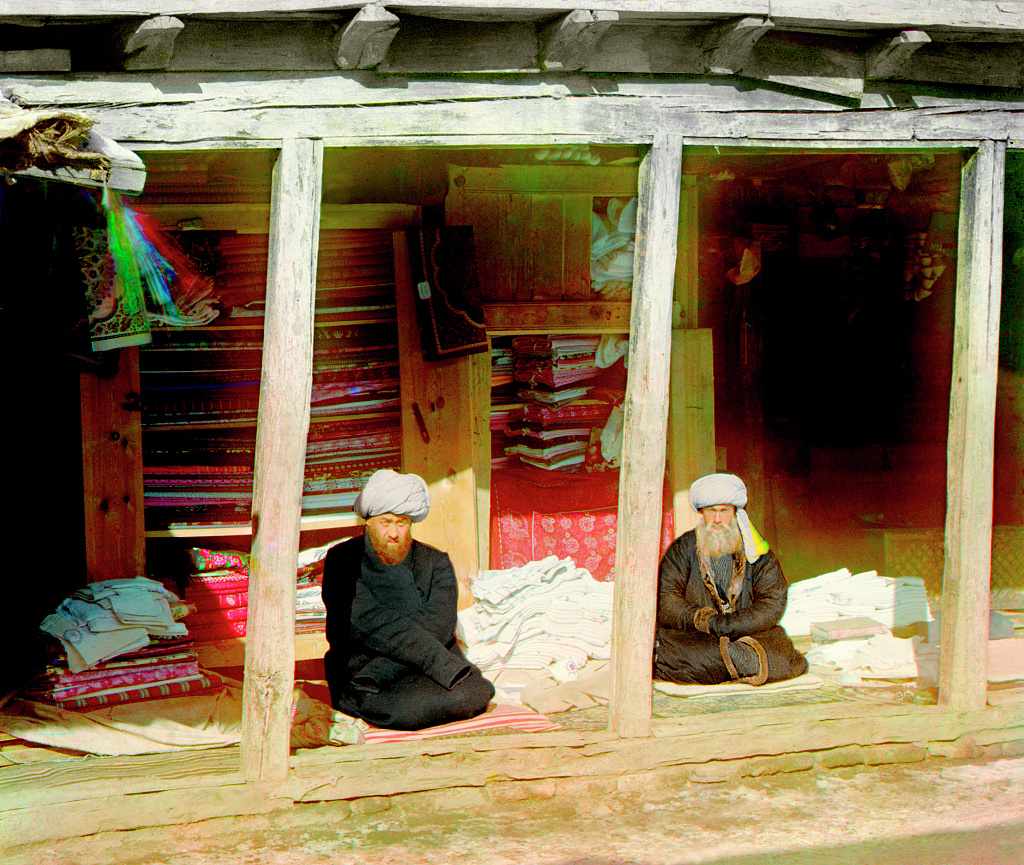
<point x="201" y="396"/>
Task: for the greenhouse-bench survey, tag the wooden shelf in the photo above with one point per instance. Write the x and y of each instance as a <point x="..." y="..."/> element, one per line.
<point x="255" y="218"/>
<point x="231" y="653"/>
<point x="572" y="316"/>
<point x="314" y="523"/>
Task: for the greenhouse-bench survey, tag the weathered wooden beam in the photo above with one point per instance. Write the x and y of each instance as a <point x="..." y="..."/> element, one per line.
<point x="967" y="63"/>
<point x="363" y="42"/>
<point x="887" y="57"/>
<point x="727" y="47"/>
<point x="807" y="62"/>
<point x="641" y="479"/>
<point x="285" y="388"/>
<point x="515" y="121"/>
<point x="35" y="60"/>
<point x="111" y="94"/>
<point x="1005" y="15"/>
<point x="567" y="43"/>
<point x="971" y="443"/>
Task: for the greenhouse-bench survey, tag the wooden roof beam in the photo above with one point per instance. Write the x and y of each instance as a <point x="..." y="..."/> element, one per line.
<point x="727" y="47"/>
<point x="888" y="56"/>
<point x="567" y="43"/>
<point x="363" y="42"/>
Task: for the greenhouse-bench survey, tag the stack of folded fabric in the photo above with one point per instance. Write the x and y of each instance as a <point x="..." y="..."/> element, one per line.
<point x="310" y="612"/>
<point x="219" y="588"/>
<point x="896" y="602"/>
<point x="502" y="369"/>
<point x="554" y="438"/>
<point x="554" y="370"/>
<point x="120" y="642"/>
<point x="341" y="455"/>
<point x="547" y="616"/>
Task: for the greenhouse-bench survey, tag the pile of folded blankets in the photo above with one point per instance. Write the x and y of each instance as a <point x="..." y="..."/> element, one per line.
<point x="118" y="641"/>
<point x="218" y="586"/>
<point x="547" y="616"/>
<point x="895" y="602"/>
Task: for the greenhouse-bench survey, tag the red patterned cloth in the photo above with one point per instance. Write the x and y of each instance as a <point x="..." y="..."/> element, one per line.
<point x="496" y="716"/>
<point x="537" y="513"/>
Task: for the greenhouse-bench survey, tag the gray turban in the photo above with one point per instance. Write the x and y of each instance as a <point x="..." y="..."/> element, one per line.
<point x="726" y="489"/>
<point x="388" y="492"/>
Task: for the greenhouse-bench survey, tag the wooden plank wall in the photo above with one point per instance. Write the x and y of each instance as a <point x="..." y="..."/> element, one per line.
<point x="532" y="226"/>
<point x="285" y="389"/>
<point x="112" y="471"/>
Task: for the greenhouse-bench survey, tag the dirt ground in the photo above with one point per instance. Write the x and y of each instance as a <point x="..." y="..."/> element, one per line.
<point x="938" y="811"/>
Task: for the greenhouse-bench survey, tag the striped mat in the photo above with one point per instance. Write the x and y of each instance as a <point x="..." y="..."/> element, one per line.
<point x="516" y="717"/>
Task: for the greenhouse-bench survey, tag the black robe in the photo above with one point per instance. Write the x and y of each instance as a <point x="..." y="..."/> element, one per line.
<point x="685" y="654"/>
<point x="393" y="659"/>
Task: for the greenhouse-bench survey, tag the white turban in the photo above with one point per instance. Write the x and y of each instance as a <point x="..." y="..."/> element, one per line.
<point x="388" y="492"/>
<point x="726" y="489"/>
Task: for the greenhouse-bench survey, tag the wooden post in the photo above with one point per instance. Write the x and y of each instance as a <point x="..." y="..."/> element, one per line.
<point x="285" y="388"/>
<point x="641" y="479"/>
<point x="970" y="449"/>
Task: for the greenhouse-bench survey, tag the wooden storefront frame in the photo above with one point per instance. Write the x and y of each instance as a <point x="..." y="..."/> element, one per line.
<point x="640" y="744"/>
<point x="643" y="457"/>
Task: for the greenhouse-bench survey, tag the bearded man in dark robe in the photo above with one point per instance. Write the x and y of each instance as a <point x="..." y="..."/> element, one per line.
<point x="391" y="614"/>
<point x="721" y="596"/>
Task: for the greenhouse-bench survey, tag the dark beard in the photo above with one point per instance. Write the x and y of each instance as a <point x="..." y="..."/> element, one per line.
<point x="391" y="554"/>
<point x="719" y="542"/>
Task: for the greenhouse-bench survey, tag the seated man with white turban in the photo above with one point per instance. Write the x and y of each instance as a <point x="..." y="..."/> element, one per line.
<point x="721" y="596"/>
<point x="391" y="614"/>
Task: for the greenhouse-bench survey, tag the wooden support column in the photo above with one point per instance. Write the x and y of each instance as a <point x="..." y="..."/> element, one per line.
<point x="285" y="388"/>
<point x="970" y="450"/>
<point x="641" y="479"/>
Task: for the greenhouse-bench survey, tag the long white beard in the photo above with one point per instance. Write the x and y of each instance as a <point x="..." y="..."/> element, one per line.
<point x="719" y="540"/>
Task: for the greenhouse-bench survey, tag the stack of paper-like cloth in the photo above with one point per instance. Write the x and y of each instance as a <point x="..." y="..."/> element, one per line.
<point x="340" y="457"/>
<point x="120" y="643"/>
<point x="896" y="602"/>
<point x="546" y="616"/>
<point x="219" y="588"/>
<point x="553" y="438"/>
<point x="554" y="370"/>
